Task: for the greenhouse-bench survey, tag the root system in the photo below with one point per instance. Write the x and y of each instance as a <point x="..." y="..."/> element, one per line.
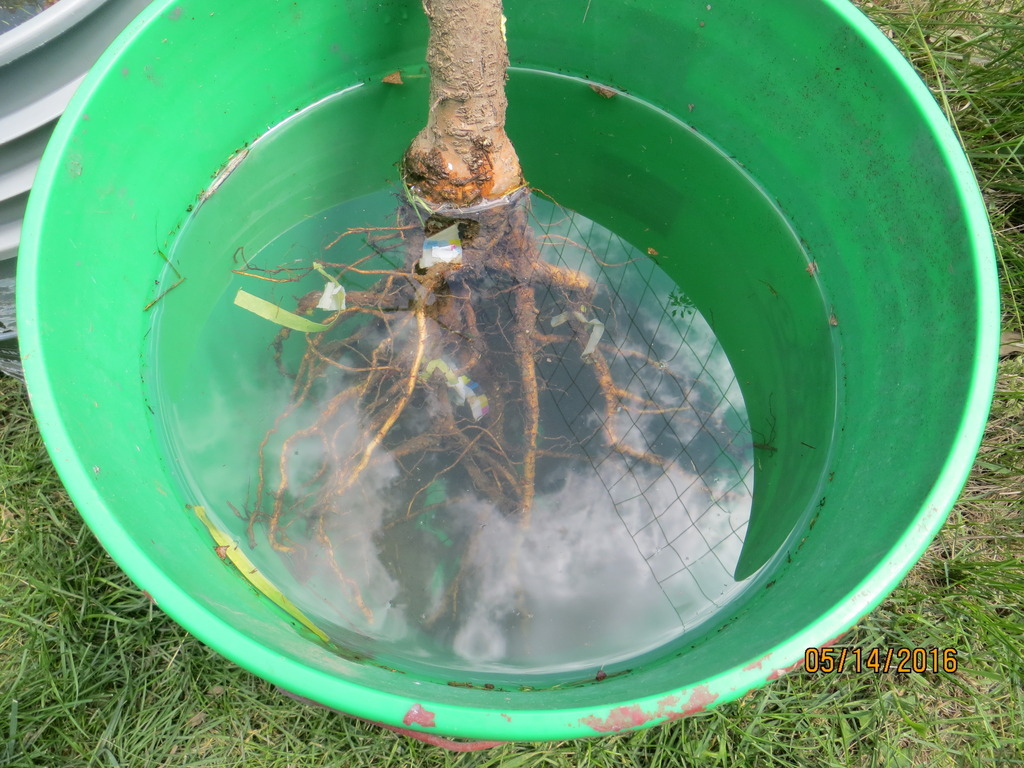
<point x="432" y="376"/>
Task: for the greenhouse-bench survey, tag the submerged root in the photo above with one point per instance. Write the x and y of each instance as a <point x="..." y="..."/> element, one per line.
<point x="429" y="379"/>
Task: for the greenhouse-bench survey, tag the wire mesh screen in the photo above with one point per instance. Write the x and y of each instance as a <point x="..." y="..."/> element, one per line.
<point x="533" y="462"/>
<point x="681" y="483"/>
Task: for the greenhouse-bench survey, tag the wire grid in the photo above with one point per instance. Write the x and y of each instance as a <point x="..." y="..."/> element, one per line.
<point x="687" y="519"/>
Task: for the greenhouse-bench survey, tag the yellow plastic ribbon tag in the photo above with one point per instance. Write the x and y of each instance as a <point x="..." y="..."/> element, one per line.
<point x="227" y="549"/>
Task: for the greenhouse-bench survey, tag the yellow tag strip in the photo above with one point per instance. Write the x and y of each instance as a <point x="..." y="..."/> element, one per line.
<point x="227" y="549"/>
<point x="275" y="314"/>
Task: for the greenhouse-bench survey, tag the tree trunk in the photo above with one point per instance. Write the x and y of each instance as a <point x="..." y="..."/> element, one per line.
<point x="463" y="156"/>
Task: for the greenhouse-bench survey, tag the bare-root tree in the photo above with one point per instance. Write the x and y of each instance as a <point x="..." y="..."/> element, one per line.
<point x="434" y="367"/>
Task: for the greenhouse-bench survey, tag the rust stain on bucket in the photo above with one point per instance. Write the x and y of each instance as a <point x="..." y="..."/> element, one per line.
<point x="417" y="715"/>
<point x="633" y="716"/>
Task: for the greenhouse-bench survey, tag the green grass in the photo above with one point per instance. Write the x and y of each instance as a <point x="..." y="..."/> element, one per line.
<point x="92" y="674"/>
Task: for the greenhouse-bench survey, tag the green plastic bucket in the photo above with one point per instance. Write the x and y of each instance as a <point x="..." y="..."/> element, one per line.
<point x="867" y="366"/>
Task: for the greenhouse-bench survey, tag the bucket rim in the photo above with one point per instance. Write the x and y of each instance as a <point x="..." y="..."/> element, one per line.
<point x="518" y="722"/>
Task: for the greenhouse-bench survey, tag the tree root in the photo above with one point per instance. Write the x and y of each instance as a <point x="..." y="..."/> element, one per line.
<point x="394" y="394"/>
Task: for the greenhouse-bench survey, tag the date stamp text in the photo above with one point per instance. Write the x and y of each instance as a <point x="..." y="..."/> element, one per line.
<point x="837" y="659"/>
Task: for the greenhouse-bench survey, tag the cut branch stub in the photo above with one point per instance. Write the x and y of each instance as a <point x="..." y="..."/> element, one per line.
<point x="463" y="156"/>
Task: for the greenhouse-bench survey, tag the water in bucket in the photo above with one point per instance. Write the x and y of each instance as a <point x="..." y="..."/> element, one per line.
<point x="407" y="538"/>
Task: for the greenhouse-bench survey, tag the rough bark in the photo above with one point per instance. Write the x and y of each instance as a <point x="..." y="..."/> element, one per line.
<point x="463" y="156"/>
